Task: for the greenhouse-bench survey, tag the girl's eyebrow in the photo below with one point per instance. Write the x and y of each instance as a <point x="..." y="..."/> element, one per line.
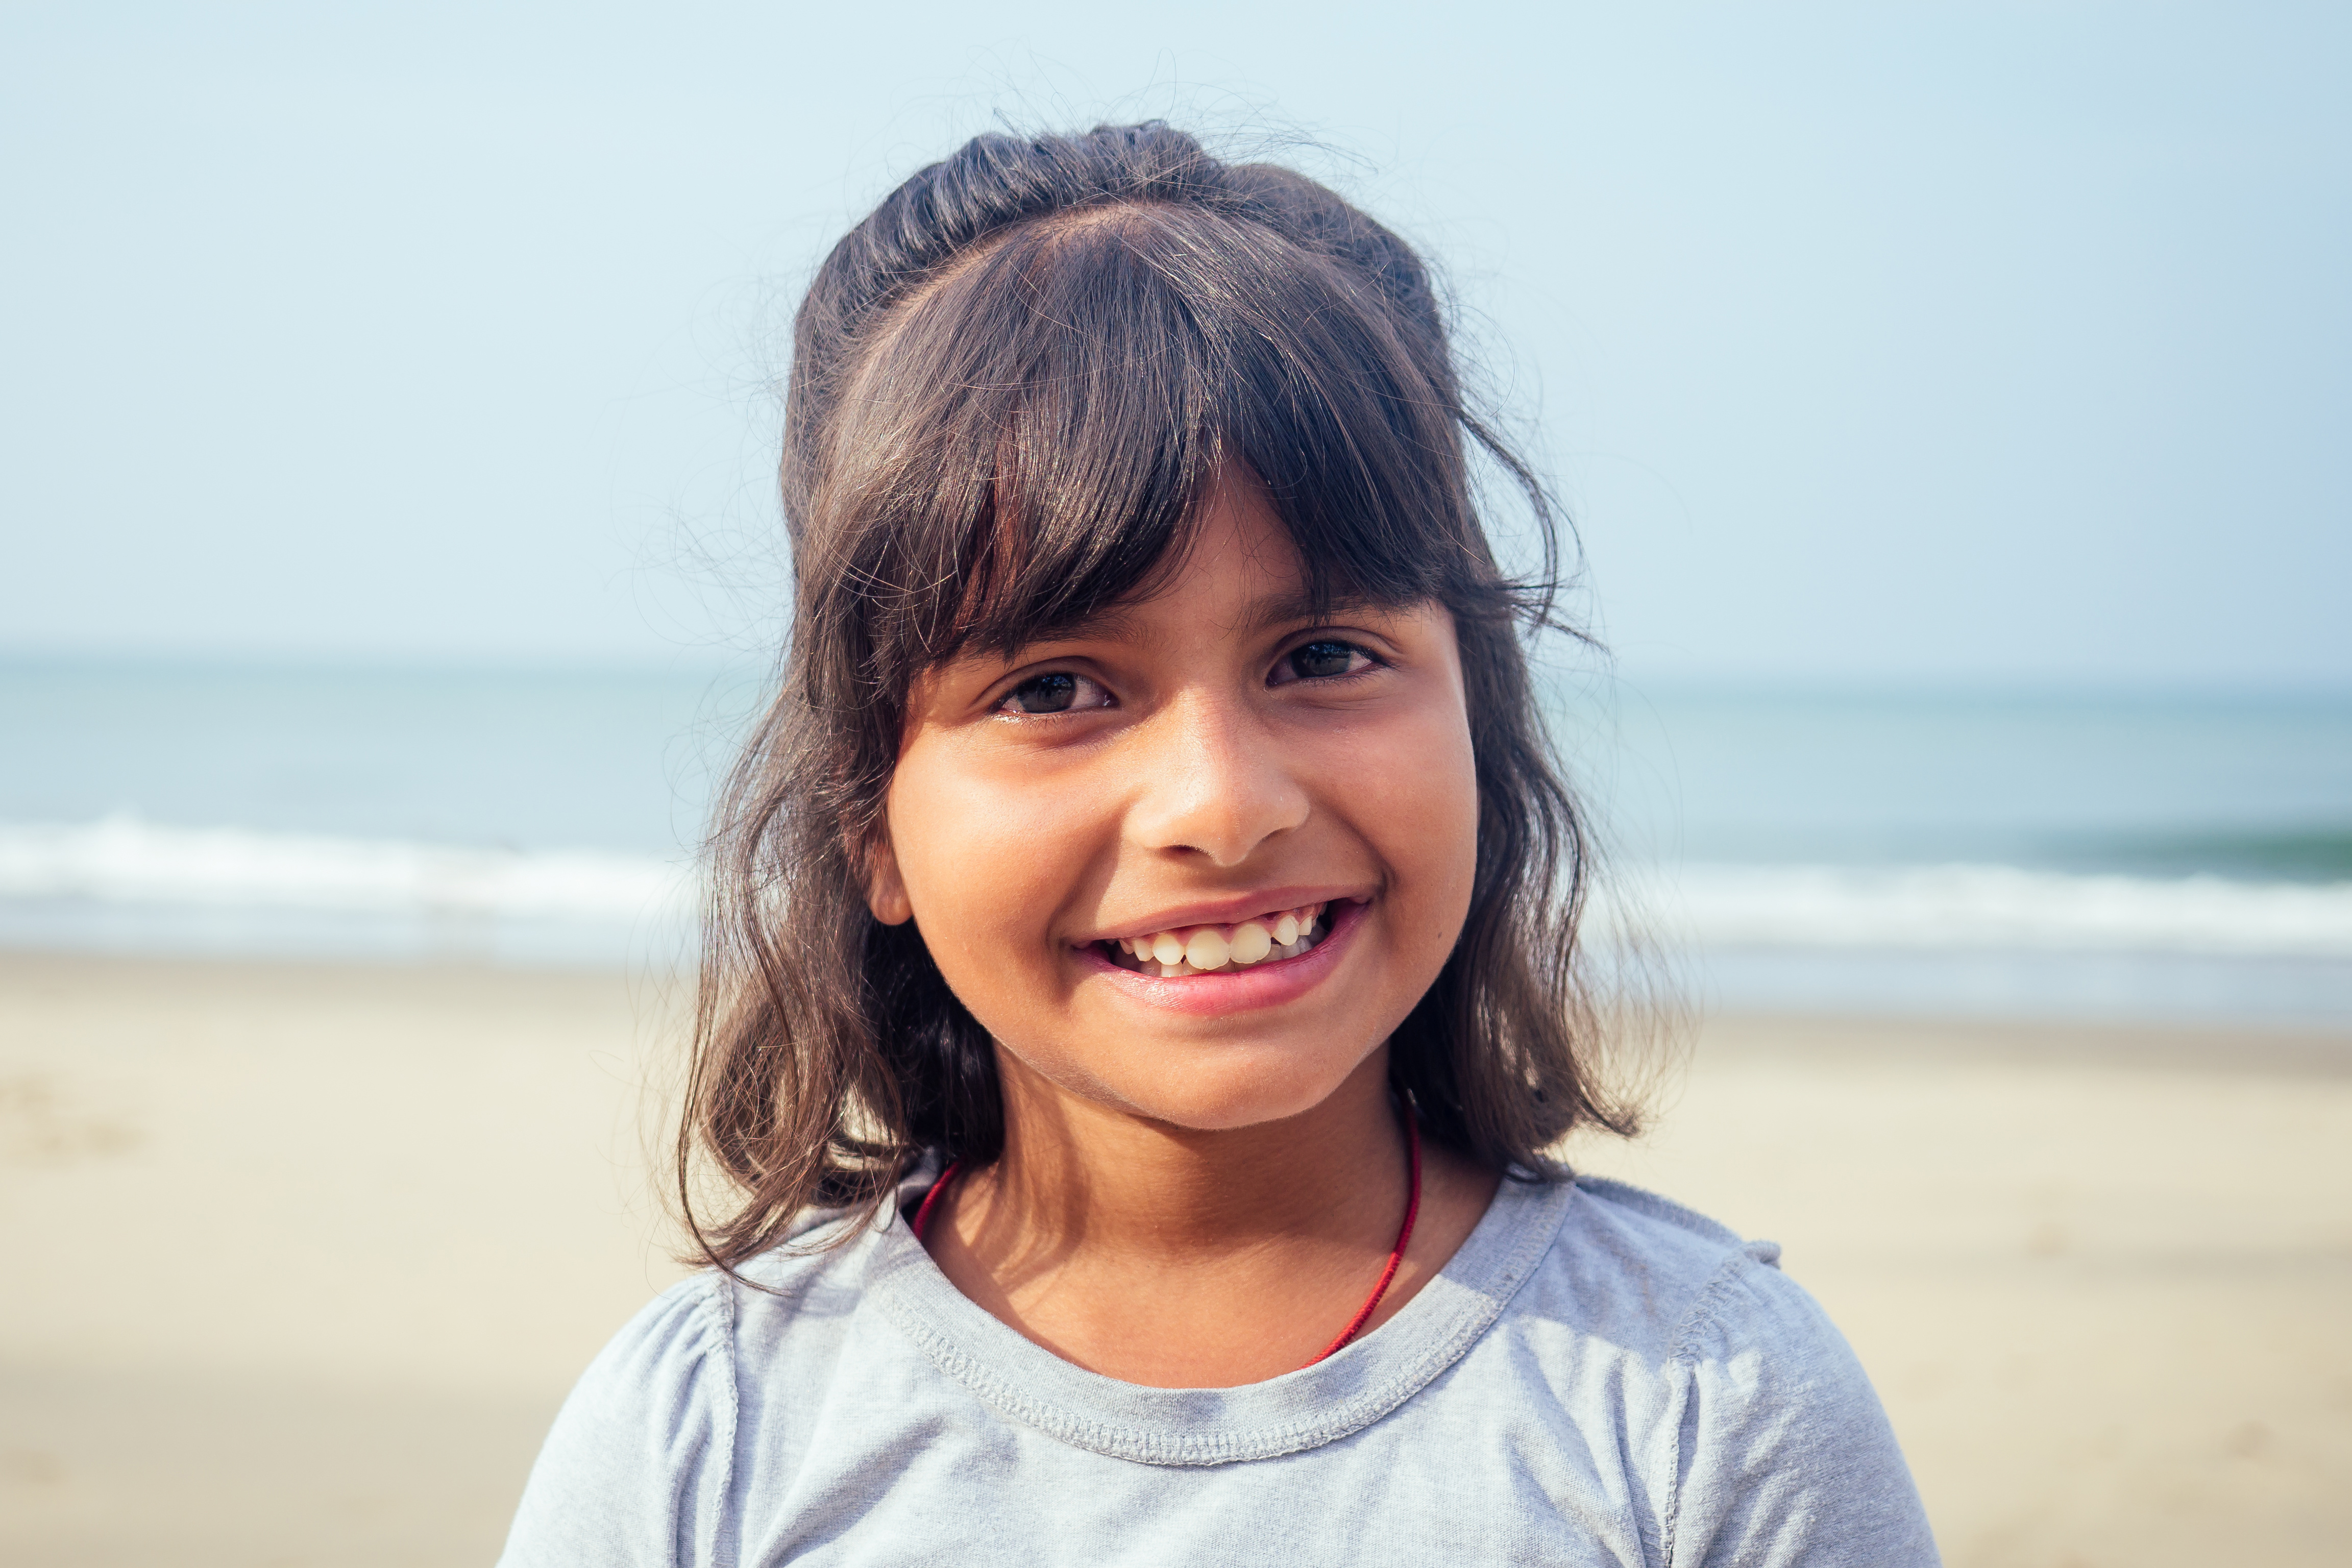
<point x="1113" y="622"/>
<point x="1300" y="605"/>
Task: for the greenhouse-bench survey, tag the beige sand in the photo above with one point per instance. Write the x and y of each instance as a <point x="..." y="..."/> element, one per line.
<point x="301" y="1259"/>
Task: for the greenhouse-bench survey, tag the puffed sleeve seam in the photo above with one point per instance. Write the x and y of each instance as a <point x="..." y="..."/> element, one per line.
<point x="1797" y="1454"/>
<point x="702" y="1494"/>
<point x="717" y="1544"/>
<point x="700" y="1317"/>
<point x="646" y="1407"/>
<point x="1701" y="1321"/>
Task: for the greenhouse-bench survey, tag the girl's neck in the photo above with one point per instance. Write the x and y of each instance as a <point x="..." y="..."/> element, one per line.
<point x="1076" y="1174"/>
<point x="1180" y="1258"/>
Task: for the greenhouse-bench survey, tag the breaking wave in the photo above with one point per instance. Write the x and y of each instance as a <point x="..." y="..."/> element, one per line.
<point x="124" y="860"/>
<point x="1974" y="908"/>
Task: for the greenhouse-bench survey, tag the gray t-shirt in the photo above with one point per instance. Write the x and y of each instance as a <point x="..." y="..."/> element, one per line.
<point x="1598" y="1376"/>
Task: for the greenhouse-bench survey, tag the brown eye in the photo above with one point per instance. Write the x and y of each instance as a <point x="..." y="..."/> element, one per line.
<point x="1047" y="694"/>
<point x="1057" y="691"/>
<point x="1321" y="660"/>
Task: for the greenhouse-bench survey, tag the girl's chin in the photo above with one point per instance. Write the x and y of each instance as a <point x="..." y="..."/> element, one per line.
<point x="1228" y="1096"/>
<point x="1242" y="989"/>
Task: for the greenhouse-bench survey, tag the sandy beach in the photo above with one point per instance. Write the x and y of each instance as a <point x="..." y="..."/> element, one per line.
<point x="301" y="1259"/>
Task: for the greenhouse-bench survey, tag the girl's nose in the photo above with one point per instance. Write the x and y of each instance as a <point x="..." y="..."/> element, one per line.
<point x="1215" y="783"/>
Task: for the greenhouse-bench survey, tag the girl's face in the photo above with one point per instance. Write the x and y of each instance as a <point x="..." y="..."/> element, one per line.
<point x="1194" y="861"/>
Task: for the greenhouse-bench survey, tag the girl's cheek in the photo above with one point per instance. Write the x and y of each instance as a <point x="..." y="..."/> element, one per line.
<point x="988" y="859"/>
<point x="1414" y="786"/>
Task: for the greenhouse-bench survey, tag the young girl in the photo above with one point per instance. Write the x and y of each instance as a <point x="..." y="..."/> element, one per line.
<point x="1142" y="990"/>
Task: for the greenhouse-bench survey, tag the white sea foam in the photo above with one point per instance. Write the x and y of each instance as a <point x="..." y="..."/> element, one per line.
<point x="1979" y="908"/>
<point x="126" y="860"/>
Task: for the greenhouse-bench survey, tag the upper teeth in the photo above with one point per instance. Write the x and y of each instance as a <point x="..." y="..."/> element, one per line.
<point x="1196" y="950"/>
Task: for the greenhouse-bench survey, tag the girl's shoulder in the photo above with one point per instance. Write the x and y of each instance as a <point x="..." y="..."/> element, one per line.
<point x="645" y="1443"/>
<point x="1666" y="1279"/>
<point x="1748" y="1404"/>
<point x="1670" y="1227"/>
<point x="1694" y="1305"/>
<point x="639" y="1453"/>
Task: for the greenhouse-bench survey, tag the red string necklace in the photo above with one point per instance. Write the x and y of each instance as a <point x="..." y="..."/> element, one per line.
<point x="1388" y="1274"/>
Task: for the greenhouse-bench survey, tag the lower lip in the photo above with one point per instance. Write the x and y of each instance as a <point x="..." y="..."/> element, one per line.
<point x="1260" y="985"/>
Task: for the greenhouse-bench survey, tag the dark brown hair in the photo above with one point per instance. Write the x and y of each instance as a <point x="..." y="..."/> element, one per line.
<point x="1010" y="386"/>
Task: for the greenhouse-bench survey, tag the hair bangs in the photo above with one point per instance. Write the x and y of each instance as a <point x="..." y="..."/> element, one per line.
<point x="1032" y="435"/>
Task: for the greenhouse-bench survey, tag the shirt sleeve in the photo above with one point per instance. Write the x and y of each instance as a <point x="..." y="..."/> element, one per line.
<point x="1781" y="1455"/>
<point x="634" y="1473"/>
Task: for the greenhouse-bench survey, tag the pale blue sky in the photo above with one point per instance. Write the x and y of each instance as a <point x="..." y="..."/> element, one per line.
<point x="1867" y="342"/>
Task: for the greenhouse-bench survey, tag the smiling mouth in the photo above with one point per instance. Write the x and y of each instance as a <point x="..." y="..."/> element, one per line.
<point x="1219" y="949"/>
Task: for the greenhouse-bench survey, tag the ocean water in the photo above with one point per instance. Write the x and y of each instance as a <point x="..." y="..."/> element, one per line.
<point x="2087" y="854"/>
<point x="516" y="816"/>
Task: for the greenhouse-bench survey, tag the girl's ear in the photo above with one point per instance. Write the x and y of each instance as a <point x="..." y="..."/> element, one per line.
<point x="886" y="890"/>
